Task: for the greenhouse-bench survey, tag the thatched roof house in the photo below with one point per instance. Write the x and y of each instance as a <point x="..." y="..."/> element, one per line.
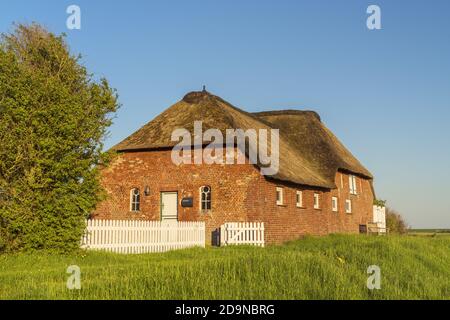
<point x="310" y="154"/>
<point x="320" y="186"/>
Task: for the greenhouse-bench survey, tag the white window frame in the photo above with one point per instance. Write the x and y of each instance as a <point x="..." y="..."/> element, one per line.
<point x="334" y="204"/>
<point x="348" y="206"/>
<point x="207" y="200"/>
<point x="135" y="200"/>
<point x="281" y="200"/>
<point x="352" y="184"/>
<point x="316" y="201"/>
<point x="299" y="199"/>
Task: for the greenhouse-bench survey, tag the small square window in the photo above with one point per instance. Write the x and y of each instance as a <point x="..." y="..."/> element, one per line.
<point x="279" y="196"/>
<point x="299" y="199"/>
<point x="334" y="204"/>
<point x="348" y="206"/>
<point x="316" y="201"/>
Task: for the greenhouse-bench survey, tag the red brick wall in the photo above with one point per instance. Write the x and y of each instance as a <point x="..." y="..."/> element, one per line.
<point x="287" y="222"/>
<point x="239" y="193"/>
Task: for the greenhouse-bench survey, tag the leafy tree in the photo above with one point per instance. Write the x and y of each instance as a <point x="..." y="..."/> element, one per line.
<point x="53" y="120"/>
<point x="395" y="222"/>
<point x="379" y="202"/>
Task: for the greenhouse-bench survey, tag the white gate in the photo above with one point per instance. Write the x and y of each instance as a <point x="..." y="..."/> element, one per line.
<point x="379" y="217"/>
<point x="131" y="236"/>
<point x="250" y="233"/>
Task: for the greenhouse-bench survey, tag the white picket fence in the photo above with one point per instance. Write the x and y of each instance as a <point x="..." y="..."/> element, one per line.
<point x="251" y="233"/>
<point x="131" y="236"/>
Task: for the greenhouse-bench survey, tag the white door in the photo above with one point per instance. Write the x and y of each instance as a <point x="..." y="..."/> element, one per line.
<point x="169" y="206"/>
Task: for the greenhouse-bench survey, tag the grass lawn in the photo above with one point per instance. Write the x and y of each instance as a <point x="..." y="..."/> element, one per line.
<point x="333" y="267"/>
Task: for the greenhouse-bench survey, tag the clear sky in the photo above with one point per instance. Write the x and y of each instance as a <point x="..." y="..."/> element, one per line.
<point x="385" y="93"/>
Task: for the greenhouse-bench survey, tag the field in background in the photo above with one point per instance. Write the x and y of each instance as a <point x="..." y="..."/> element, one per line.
<point x="429" y="232"/>
<point x="333" y="267"/>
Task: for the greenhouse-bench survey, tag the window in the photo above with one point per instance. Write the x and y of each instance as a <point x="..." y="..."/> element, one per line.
<point x="348" y="206"/>
<point x="299" y="199"/>
<point x="352" y="184"/>
<point x="279" y="196"/>
<point x="334" y="204"/>
<point x="205" y="198"/>
<point x="135" y="200"/>
<point x="316" y="201"/>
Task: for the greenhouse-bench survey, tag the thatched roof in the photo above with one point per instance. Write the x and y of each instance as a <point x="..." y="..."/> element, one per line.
<point x="309" y="153"/>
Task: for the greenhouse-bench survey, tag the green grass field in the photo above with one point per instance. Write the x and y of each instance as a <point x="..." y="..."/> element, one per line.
<point x="333" y="267"/>
<point x="429" y="232"/>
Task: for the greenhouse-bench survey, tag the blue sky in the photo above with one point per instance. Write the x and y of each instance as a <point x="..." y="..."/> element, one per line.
<point x="384" y="93"/>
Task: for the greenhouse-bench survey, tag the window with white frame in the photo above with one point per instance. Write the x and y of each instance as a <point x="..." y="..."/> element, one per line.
<point x="348" y="206"/>
<point x="135" y="200"/>
<point x="316" y="201"/>
<point x="279" y="196"/>
<point x="352" y="184"/>
<point x="334" y="204"/>
<point x="205" y="198"/>
<point x="299" y="199"/>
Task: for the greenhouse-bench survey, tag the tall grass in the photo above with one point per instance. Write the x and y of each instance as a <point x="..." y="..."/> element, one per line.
<point x="333" y="267"/>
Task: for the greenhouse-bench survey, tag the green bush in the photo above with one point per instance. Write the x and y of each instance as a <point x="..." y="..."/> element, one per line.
<point x="395" y="222"/>
<point x="53" y="119"/>
<point x="379" y="203"/>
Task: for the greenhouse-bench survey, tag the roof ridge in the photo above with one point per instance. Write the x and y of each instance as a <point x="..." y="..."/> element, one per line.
<point x="287" y="112"/>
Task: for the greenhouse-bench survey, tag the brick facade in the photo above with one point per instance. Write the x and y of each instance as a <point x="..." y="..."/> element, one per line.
<point x="239" y="194"/>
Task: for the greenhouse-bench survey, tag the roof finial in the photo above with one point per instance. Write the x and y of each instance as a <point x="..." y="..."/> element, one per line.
<point x="204" y="88"/>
